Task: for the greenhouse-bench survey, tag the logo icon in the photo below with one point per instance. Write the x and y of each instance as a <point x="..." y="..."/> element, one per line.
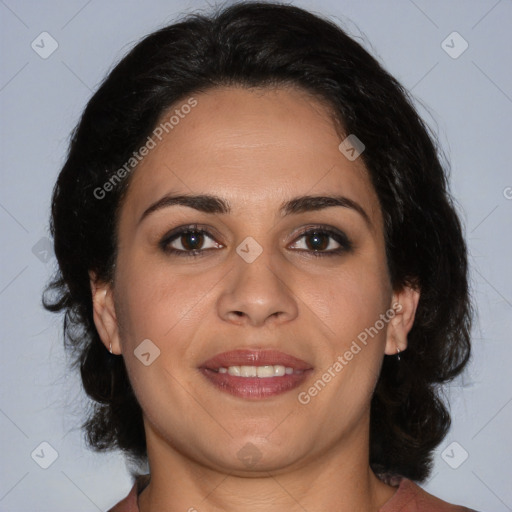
<point x="44" y="455"/>
<point x="44" y="45"/>
<point x="352" y="147"/>
<point x="147" y="352"/>
<point x="249" y="249"/>
<point x="454" y="455"/>
<point x="249" y="455"/>
<point x="454" y="45"/>
<point x="43" y="250"/>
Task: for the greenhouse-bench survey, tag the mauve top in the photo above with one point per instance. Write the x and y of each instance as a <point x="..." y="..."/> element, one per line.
<point x="409" y="497"/>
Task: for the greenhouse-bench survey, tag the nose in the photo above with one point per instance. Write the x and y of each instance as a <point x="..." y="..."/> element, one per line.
<point x="257" y="293"/>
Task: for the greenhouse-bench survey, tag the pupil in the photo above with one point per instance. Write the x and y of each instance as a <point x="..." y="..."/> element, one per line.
<point x="319" y="241"/>
<point x="192" y="241"/>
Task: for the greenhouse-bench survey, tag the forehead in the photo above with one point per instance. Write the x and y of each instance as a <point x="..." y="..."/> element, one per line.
<point x="251" y="147"/>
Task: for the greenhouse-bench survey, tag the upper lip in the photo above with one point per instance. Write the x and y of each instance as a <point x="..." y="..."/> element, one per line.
<point x="245" y="357"/>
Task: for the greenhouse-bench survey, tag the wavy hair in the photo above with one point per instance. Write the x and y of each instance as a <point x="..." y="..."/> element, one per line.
<point x="258" y="45"/>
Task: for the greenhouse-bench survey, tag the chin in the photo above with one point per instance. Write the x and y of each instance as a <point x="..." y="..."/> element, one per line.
<point x="252" y="455"/>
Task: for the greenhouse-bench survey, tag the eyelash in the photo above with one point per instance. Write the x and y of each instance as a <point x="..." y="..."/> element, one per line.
<point x="345" y="245"/>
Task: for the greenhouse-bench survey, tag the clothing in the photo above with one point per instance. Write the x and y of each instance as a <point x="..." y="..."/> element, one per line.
<point x="409" y="497"/>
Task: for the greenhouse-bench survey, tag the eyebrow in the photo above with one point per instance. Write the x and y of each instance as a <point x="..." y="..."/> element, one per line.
<point x="215" y="205"/>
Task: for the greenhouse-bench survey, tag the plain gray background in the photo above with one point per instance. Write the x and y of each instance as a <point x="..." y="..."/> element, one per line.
<point x="469" y="100"/>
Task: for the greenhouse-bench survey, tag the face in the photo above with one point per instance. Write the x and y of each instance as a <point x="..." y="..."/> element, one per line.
<point x="256" y="299"/>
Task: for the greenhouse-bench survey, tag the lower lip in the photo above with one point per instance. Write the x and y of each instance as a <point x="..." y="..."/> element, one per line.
<point x="254" y="388"/>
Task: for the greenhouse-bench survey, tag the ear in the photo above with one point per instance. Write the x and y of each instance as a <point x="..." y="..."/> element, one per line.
<point x="104" y="314"/>
<point x="404" y="304"/>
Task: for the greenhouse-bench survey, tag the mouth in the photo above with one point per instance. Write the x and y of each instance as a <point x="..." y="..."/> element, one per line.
<point x="255" y="374"/>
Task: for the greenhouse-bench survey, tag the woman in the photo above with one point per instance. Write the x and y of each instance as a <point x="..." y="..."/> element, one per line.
<point x="263" y="275"/>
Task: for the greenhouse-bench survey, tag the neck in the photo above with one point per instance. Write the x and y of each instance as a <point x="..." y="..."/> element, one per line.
<point x="339" y="479"/>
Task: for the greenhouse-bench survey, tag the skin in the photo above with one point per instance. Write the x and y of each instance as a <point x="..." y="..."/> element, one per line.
<point x="255" y="149"/>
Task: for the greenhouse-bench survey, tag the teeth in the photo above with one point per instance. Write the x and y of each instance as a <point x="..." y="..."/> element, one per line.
<point x="234" y="370"/>
<point x="248" y="371"/>
<point x="263" y="372"/>
<point x="279" y="370"/>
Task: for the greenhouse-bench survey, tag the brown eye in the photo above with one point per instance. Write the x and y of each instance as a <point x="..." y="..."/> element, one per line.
<point x="317" y="241"/>
<point x="188" y="242"/>
<point x="323" y="242"/>
<point x="192" y="240"/>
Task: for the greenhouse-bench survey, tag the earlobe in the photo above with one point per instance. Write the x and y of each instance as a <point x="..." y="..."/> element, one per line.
<point x="404" y="304"/>
<point x="104" y="314"/>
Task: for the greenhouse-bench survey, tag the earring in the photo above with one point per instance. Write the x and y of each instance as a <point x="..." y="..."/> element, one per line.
<point x="398" y="354"/>
<point x="110" y="349"/>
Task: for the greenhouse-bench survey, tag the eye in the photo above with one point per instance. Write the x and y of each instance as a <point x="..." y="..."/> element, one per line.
<point x="322" y="242"/>
<point x="188" y="241"/>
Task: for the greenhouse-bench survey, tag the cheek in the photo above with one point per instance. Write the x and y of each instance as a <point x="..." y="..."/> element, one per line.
<point x="157" y="302"/>
<point x="156" y="305"/>
<point x="348" y="302"/>
<point x="348" y="309"/>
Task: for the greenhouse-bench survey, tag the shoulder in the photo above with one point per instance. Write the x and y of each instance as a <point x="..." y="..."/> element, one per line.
<point x="410" y="497"/>
<point x="130" y="503"/>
